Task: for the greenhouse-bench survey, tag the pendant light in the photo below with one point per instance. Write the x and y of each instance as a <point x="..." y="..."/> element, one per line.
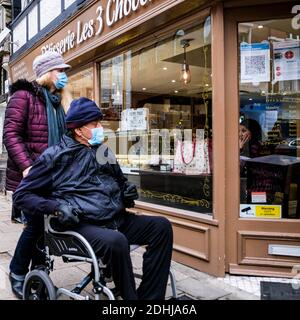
<point x="185" y="76"/>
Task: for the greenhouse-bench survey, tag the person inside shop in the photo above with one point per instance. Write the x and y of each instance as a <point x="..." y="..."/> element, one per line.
<point x="250" y="137"/>
<point x="80" y="181"/>
<point x="34" y="120"/>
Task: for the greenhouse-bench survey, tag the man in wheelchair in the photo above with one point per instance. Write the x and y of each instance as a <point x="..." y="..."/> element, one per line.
<point x="80" y="181"/>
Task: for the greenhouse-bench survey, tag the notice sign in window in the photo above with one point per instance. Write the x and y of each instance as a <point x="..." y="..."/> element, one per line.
<point x="258" y="197"/>
<point x="286" y="60"/>
<point x="260" y="211"/>
<point x="255" y="62"/>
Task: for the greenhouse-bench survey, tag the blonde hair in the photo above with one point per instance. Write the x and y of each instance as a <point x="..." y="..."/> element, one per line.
<point x="66" y="96"/>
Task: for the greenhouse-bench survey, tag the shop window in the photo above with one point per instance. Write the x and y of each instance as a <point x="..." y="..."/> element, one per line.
<point x="269" y="129"/>
<point x="81" y="84"/>
<point x="157" y="110"/>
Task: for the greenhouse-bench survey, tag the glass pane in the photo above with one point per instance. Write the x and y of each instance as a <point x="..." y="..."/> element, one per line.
<point x="49" y="11"/>
<point x="81" y="84"/>
<point x="19" y="35"/>
<point x="68" y="3"/>
<point x="33" y="22"/>
<point x="269" y="129"/>
<point x="160" y="126"/>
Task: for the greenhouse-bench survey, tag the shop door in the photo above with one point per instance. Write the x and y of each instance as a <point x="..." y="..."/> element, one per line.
<point x="262" y="89"/>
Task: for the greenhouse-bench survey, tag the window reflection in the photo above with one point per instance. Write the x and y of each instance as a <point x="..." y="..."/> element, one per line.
<point x="160" y="126"/>
<point x="81" y="84"/>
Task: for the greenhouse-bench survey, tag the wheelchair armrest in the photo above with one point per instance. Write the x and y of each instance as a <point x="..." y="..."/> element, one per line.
<point x="51" y="224"/>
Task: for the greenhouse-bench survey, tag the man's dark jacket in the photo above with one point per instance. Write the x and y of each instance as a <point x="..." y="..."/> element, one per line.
<point x="69" y="173"/>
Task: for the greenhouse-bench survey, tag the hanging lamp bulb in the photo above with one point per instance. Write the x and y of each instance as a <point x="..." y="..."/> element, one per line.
<point x="185" y="75"/>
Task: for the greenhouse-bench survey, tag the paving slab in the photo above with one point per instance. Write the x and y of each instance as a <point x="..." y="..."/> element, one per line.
<point x="5" y="257"/>
<point x="190" y="272"/>
<point x="5" y="289"/>
<point x="4" y="266"/>
<point x="69" y="276"/>
<point x="8" y="227"/>
<point x="60" y="264"/>
<point x="8" y="241"/>
<point x="201" y="289"/>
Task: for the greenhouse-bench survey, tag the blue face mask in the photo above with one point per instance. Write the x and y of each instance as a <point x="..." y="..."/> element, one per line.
<point x="97" y="136"/>
<point x="61" y="81"/>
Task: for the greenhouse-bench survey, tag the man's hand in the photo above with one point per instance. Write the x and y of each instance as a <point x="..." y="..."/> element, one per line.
<point x="130" y="191"/>
<point x="129" y="194"/>
<point x="67" y="215"/>
<point x="26" y="171"/>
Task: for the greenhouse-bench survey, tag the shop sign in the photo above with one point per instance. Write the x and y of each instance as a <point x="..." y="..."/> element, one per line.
<point x="104" y="16"/>
<point x="255" y="62"/>
<point x="260" y="211"/>
<point x="97" y="24"/>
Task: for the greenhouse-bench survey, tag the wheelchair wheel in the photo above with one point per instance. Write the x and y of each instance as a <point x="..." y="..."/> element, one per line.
<point x="38" y="286"/>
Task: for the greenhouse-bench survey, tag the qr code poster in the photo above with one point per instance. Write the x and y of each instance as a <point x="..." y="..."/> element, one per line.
<point x="255" y="62"/>
<point x="286" y="60"/>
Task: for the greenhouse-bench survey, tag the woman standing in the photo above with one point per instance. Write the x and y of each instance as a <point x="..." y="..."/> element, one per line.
<point x="34" y="120"/>
<point x="34" y="117"/>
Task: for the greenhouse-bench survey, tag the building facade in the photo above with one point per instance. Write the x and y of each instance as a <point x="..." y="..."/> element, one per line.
<point x="201" y="106"/>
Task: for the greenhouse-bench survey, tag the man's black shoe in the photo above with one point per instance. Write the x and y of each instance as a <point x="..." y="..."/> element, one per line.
<point x="16" y="287"/>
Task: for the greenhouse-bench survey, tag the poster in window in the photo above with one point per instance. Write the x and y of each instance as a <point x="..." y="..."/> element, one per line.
<point x="286" y="56"/>
<point x="255" y="62"/>
<point x="134" y="119"/>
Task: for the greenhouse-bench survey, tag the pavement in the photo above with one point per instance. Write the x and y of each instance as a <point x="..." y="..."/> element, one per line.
<point x="191" y="283"/>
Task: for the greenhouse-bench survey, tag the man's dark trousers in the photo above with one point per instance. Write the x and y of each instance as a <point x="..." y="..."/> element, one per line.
<point x="113" y="248"/>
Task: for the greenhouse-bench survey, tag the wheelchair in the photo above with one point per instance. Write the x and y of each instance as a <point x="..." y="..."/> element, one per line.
<point x="72" y="247"/>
